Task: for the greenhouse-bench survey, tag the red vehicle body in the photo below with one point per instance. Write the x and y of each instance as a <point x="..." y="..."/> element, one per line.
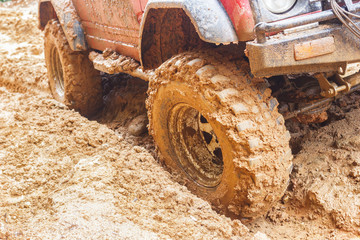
<point x="107" y="27"/>
<point x="242" y="18"/>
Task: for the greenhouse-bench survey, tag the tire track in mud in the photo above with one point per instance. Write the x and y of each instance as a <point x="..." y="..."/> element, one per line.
<point x="21" y="51"/>
<point x="65" y="176"/>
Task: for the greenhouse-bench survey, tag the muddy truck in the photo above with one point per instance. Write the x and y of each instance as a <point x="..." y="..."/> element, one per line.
<point x="223" y="76"/>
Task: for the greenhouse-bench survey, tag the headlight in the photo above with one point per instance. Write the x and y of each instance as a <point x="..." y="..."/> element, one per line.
<point x="275" y="10"/>
<point x="279" y="6"/>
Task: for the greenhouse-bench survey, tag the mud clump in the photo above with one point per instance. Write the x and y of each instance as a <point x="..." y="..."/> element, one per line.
<point x="327" y="174"/>
<point x="138" y="125"/>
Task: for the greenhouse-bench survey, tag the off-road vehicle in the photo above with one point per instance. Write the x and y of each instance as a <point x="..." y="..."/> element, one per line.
<point x="217" y="71"/>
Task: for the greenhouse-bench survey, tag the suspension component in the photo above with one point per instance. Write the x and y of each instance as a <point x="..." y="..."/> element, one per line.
<point x="331" y="89"/>
<point x="354" y="82"/>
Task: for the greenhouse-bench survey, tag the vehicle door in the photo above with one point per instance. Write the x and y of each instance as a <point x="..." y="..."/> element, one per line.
<point x="111" y="24"/>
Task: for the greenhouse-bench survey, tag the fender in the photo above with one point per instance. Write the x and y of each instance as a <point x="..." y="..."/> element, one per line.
<point x="208" y="17"/>
<point x="65" y="12"/>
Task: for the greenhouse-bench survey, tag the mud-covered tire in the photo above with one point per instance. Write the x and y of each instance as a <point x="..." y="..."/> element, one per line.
<point x="256" y="158"/>
<point x="72" y="77"/>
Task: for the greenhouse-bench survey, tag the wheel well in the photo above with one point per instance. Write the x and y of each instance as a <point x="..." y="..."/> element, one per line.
<point x="167" y="32"/>
<point x="46" y="13"/>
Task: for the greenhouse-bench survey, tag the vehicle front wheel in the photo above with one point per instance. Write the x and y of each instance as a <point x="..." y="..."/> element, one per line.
<point x="220" y="133"/>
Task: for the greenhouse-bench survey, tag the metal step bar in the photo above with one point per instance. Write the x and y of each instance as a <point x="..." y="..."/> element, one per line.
<point x="114" y="63"/>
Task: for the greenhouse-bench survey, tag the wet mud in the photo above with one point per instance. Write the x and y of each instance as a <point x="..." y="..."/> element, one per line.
<point x="63" y="176"/>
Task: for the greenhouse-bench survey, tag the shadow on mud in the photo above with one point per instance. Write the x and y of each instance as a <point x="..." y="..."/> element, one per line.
<point x="124" y="99"/>
<point x="338" y="110"/>
<point x="124" y="108"/>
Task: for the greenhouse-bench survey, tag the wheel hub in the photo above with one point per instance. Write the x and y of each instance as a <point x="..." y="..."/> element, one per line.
<point x="210" y="139"/>
<point x="196" y="146"/>
<point x="57" y="72"/>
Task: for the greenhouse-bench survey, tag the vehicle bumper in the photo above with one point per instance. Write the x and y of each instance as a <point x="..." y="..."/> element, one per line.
<point x="321" y="49"/>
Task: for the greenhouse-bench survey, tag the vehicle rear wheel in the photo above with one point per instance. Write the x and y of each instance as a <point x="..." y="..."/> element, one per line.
<point x="219" y="131"/>
<point x="72" y="77"/>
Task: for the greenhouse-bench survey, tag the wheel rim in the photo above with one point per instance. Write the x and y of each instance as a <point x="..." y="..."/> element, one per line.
<point x="196" y="146"/>
<point x="57" y="71"/>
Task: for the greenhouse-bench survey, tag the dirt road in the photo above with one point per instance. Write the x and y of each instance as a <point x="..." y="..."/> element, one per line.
<point x="63" y="176"/>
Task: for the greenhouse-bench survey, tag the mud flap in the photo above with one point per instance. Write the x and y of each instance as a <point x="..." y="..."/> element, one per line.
<point x="77" y="41"/>
<point x="71" y="24"/>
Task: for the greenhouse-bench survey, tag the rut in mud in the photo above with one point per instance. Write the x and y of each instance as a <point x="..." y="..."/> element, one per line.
<point x="64" y="176"/>
<point x="59" y="169"/>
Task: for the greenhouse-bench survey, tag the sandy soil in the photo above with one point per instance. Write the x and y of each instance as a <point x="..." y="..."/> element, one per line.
<point x="63" y="176"/>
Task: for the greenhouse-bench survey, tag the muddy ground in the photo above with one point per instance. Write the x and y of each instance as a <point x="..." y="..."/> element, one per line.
<point x="63" y="176"/>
